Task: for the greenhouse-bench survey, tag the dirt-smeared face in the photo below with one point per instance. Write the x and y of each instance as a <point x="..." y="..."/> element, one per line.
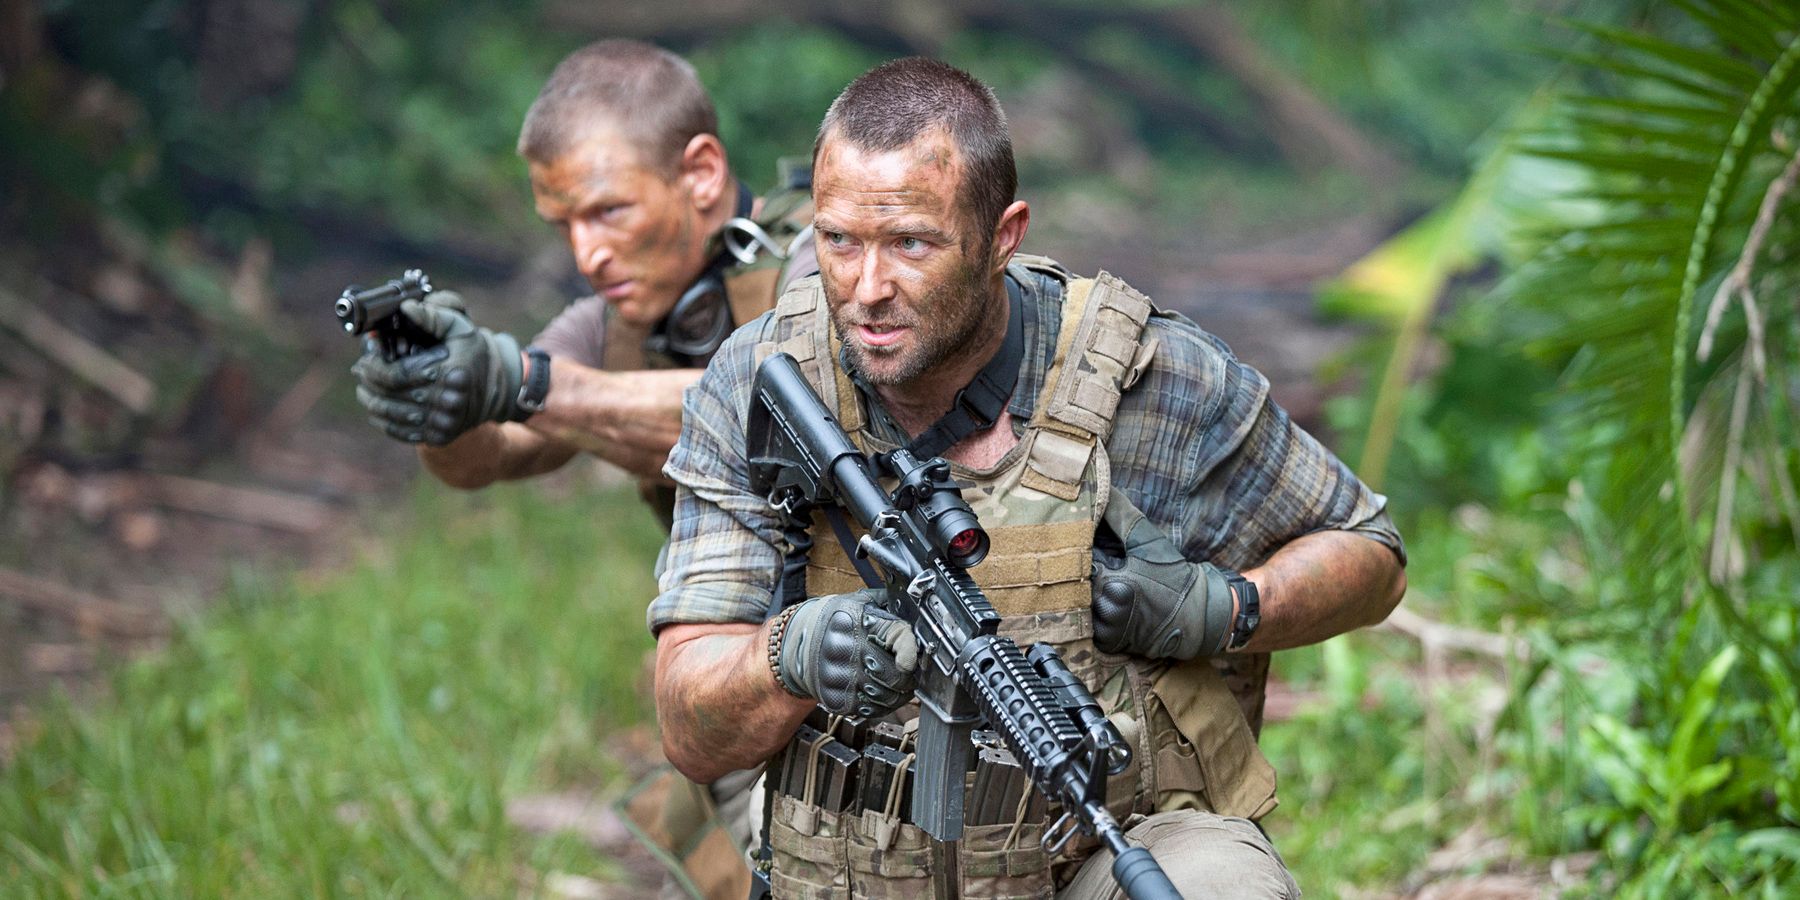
<point x="902" y="267"/>
<point x="636" y="236"/>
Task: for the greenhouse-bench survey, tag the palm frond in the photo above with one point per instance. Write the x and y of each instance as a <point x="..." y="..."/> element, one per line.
<point x="1700" y="115"/>
<point x="1749" y="27"/>
<point x="1694" y="87"/>
<point x="1727" y="73"/>
<point x="1649" y="162"/>
<point x="1667" y="154"/>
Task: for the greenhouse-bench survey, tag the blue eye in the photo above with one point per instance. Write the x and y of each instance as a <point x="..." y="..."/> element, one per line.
<point x="910" y="244"/>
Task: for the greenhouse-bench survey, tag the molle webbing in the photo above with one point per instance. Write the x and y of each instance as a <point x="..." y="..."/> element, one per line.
<point x="1095" y="362"/>
<point x="803" y="330"/>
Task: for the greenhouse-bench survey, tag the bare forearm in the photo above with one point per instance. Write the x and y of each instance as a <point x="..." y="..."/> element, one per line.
<point x="719" y="706"/>
<point x="494" y="452"/>
<point x="1321" y="585"/>
<point x="629" y="419"/>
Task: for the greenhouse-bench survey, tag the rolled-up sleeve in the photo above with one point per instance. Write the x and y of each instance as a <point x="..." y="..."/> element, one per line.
<point x="1281" y="483"/>
<point x="723" y="557"/>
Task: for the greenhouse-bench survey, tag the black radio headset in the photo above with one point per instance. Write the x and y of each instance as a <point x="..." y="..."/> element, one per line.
<point x="701" y="318"/>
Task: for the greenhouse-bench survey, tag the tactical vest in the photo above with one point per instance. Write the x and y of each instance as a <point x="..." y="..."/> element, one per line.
<point x="1191" y="745"/>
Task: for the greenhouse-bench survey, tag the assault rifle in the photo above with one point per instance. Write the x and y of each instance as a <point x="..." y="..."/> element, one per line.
<point x="922" y="538"/>
<point x="376" y="311"/>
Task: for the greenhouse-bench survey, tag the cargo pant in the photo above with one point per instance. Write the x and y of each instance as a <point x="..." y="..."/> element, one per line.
<point x="1205" y="855"/>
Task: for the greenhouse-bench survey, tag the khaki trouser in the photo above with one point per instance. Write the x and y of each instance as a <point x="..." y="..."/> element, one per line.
<point x="1205" y="855"/>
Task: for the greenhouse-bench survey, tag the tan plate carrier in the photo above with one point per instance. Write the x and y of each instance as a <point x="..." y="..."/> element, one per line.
<point x="1191" y="746"/>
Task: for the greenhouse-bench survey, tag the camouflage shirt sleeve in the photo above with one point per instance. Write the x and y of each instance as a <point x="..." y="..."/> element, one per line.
<point x="724" y="555"/>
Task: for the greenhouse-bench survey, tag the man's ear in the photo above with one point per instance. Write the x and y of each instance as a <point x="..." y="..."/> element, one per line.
<point x="1010" y="233"/>
<point x="705" y="169"/>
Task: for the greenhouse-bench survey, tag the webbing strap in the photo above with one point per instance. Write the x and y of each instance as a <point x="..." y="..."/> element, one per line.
<point x="841" y="527"/>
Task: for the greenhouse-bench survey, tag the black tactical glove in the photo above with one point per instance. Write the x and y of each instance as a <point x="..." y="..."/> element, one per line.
<point x="1149" y="600"/>
<point x="849" y="654"/>
<point x="434" y="396"/>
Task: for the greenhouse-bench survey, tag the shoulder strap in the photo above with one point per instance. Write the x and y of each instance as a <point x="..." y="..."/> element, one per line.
<point x="1100" y="353"/>
<point x="750" y="292"/>
<point x="978" y="405"/>
<point x="760" y="247"/>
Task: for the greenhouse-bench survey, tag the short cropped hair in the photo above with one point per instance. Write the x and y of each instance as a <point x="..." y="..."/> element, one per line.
<point x="891" y="105"/>
<point x="653" y="97"/>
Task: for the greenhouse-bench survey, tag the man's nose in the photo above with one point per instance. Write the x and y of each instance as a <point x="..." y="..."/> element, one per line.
<point x="592" y="252"/>
<point x="872" y="282"/>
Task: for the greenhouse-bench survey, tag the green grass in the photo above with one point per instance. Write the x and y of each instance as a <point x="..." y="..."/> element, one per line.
<point x="1366" y="794"/>
<point x="357" y="734"/>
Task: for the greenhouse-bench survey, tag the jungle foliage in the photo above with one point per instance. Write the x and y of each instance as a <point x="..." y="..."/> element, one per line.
<point x="1638" y="519"/>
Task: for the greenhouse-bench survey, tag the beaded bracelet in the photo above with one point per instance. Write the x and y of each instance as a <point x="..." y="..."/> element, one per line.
<point x="776" y="633"/>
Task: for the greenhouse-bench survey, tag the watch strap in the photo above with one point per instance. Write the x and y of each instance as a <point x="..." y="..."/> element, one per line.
<point x="537" y="382"/>
<point x="1249" y="611"/>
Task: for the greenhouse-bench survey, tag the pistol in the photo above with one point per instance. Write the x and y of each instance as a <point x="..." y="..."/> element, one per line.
<point x="376" y="311"/>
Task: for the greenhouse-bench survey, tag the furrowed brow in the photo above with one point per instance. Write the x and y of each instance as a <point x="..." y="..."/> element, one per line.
<point x="920" y="230"/>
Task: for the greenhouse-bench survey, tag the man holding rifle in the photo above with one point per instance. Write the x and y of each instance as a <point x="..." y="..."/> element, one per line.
<point x="1152" y="516"/>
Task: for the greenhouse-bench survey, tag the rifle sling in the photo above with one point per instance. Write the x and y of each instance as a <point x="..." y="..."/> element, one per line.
<point x="841" y="527"/>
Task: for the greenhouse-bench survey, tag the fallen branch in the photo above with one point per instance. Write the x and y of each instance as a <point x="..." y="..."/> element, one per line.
<point x="1438" y="635"/>
<point x="91" y="615"/>
<point x="77" y="354"/>
<point x="299" y="400"/>
<point x="252" y="506"/>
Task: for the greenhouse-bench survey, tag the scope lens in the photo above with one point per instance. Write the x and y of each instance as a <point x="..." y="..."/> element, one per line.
<point x="966" y="543"/>
<point x="968" y="547"/>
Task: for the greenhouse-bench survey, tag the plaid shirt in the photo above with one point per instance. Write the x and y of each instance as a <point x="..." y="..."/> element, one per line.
<point x="1196" y="444"/>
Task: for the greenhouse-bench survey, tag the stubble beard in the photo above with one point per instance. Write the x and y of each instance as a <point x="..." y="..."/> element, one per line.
<point x="944" y="322"/>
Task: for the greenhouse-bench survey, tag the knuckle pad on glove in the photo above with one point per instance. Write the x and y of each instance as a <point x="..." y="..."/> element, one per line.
<point x="397" y="431"/>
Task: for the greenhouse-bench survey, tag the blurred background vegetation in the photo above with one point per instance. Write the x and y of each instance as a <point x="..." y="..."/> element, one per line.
<point x="1528" y="265"/>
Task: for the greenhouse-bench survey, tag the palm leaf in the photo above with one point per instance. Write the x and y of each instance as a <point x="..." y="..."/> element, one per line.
<point x="1695" y="87"/>
<point x="1647" y="110"/>
<point x="1725" y="72"/>
<point x="1609" y="292"/>
<point x="1749" y="27"/>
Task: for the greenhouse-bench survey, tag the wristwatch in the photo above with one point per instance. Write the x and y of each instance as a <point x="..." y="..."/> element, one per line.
<point x="1249" y="611"/>
<point x="537" y="381"/>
